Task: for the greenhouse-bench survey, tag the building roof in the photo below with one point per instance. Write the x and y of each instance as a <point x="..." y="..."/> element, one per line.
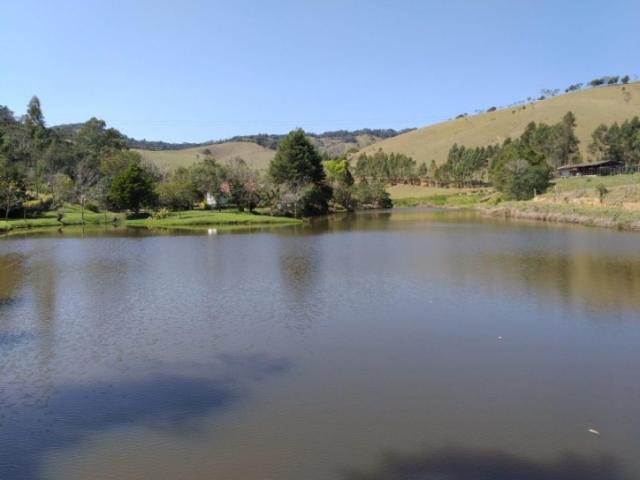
<point x="601" y="163"/>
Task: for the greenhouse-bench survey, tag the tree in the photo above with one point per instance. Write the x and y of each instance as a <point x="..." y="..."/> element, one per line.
<point x="207" y="177"/>
<point x="6" y="116"/>
<point x="297" y="166"/>
<point x="557" y="143"/>
<point x="423" y="170"/>
<point x="433" y="168"/>
<point x="341" y="180"/>
<point x="602" y="191"/>
<point x="243" y="184"/>
<point x="625" y="79"/>
<point x="519" y="172"/>
<point x="61" y="188"/>
<point x="373" y="194"/>
<point x="34" y="118"/>
<point x="12" y="191"/>
<point x="132" y="189"/>
<point x="297" y="161"/>
<point x="178" y="192"/>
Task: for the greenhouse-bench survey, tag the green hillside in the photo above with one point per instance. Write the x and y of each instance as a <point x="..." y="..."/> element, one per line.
<point x="591" y="108"/>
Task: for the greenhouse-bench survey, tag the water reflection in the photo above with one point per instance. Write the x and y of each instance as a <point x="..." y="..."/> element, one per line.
<point x="602" y="282"/>
<point x="119" y="337"/>
<point x="12" y="270"/>
<point x="466" y="464"/>
<point x="31" y="430"/>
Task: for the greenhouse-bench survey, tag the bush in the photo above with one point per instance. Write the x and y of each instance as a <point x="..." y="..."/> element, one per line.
<point x="161" y="214"/>
<point x="373" y="195"/>
<point x="518" y="172"/>
<point x="92" y="207"/>
<point x="33" y="208"/>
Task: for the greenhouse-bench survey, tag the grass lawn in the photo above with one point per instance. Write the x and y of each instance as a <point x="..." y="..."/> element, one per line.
<point x="194" y="218"/>
<point x="71" y="216"/>
<point x="413" y="196"/>
<point x="572" y="184"/>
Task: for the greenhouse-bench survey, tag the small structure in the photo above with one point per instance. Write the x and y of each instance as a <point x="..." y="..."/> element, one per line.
<point x="604" y="167"/>
<point x="213" y="202"/>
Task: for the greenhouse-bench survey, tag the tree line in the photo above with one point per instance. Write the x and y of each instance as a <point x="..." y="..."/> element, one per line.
<point x="42" y="168"/>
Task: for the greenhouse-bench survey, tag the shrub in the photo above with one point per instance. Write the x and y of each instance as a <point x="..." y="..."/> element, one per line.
<point x="161" y="214"/>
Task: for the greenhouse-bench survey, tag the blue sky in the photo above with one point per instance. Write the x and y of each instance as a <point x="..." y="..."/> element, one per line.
<point x="197" y="70"/>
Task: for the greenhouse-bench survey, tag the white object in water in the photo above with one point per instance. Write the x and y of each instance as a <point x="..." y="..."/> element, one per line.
<point x="594" y="431"/>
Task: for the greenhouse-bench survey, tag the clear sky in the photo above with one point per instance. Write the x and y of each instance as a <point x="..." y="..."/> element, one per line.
<point x="187" y="70"/>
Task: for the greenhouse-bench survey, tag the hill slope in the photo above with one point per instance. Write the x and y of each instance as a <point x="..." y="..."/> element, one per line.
<point x="256" y="150"/>
<point x="591" y="108"/>
<point x="255" y="155"/>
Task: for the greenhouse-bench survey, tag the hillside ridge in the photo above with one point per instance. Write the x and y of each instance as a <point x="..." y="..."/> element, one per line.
<point x="592" y="107"/>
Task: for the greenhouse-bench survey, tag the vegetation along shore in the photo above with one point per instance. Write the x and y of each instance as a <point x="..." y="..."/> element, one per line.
<point x="88" y="173"/>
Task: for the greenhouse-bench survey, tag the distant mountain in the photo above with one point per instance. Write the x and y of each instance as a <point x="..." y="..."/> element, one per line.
<point x="257" y="150"/>
<point x="270" y="141"/>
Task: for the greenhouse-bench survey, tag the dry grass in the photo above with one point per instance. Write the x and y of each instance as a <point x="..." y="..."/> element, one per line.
<point x="255" y="155"/>
<point x="591" y="108"/>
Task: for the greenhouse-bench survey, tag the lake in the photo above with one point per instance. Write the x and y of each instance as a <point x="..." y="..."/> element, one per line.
<point x="415" y="344"/>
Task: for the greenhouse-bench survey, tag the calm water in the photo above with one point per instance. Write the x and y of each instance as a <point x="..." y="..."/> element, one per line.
<point x="416" y="345"/>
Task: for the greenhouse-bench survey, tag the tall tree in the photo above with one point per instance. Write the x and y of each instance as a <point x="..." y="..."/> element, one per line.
<point x="297" y="161"/>
<point x="132" y="189"/>
<point x="297" y="167"/>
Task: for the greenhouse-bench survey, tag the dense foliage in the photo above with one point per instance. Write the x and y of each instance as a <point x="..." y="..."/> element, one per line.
<point x="465" y="165"/>
<point x="519" y="171"/>
<point x="386" y="167"/>
<point x="618" y="142"/>
<point x="557" y="144"/>
<point x="297" y="172"/>
<point x="41" y="168"/>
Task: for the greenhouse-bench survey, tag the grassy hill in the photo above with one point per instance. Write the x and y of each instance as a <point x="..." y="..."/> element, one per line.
<point x="255" y="155"/>
<point x="591" y="108"/>
<point x="257" y="150"/>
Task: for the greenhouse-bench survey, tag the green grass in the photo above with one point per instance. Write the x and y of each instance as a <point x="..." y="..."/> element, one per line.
<point x="192" y="218"/>
<point x="205" y="218"/>
<point x="456" y="200"/>
<point x="572" y="184"/>
<point x="72" y="216"/>
<point x="415" y="195"/>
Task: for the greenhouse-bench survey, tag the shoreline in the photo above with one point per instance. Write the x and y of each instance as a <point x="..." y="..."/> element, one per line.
<point x="601" y="217"/>
<point x="193" y="219"/>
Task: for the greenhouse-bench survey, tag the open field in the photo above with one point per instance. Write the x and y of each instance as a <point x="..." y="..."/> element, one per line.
<point x="414" y="195"/>
<point x="577" y="200"/>
<point x="591" y="107"/>
<point x="203" y="218"/>
<point x="623" y="191"/>
<point x="255" y="155"/>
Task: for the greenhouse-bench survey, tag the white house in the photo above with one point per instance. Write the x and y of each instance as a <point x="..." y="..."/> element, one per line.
<point x="213" y="202"/>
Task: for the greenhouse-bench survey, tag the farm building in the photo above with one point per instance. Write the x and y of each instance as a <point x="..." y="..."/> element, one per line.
<point x="605" y="167"/>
